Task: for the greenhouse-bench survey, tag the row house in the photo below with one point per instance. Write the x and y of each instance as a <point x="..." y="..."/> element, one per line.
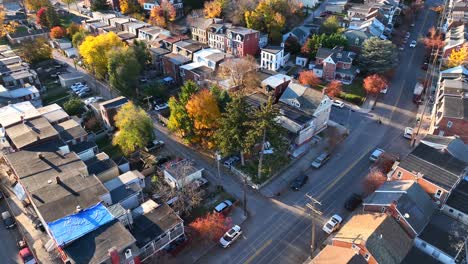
<point x="242" y="41"/>
<point x="148" y="5"/>
<point x="151" y="33"/>
<point x="459" y="11"/>
<point x="182" y="53"/>
<point x="335" y="64"/>
<point x="437" y="168"/>
<point x="199" y="27"/>
<point x="273" y="58"/>
<point x="455" y="38"/>
<point x="217" y="38"/>
<point x="450" y="111"/>
<point x="205" y="64"/>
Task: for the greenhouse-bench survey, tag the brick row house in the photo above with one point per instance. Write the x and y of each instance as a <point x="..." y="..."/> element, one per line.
<point x="242" y="41"/>
<point x="205" y="64"/>
<point x="335" y="64"/>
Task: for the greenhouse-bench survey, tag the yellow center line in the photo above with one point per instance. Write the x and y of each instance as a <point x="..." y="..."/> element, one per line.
<point x="258" y="251"/>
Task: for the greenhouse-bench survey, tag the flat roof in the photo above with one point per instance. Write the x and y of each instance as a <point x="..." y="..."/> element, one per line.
<point x="12" y="113"/>
<point x="100" y="163"/>
<point x="30" y="131"/>
<point x="116" y="102"/>
<point x="70" y="129"/>
<point x="338" y="255"/>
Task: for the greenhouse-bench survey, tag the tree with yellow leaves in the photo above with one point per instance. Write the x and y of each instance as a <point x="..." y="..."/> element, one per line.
<point x="163" y="14"/>
<point x="458" y="57"/>
<point x="269" y="16"/>
<point x="214" y="9"/>
<point x="135" y="128"/>
<point x="7" y="27"/>
<point x="129" y="6"/>
<point x="203" y="109"/>
<point x="94" y="51"/>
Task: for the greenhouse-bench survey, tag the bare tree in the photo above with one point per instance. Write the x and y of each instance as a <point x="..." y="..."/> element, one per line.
<point x="237" y="69"/>
<point x="183" y="196"/>
<point x="374" y="179"/>
<point x="384" y="163"/>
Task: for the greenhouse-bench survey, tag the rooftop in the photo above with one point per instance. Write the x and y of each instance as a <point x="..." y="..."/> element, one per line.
<point x="242" y="30"/>
<point x="93" y="248"/>
<point x="275" y="80"/>
<point x="338" y="255"/>
<point x="177" y="58"/>
<point x="154" y="223"/>
<point x="69" y="130"/>
<point x="113" y="103"/>
<point x="100" y="163"/>
<point x="436" y="166"/>
<point x="336" y="54"/>
<point x="458" y="199"/>
<point x="380" y="233"/>
<point x="190" y="45"/>
<point x="309" y="99"/>
<point x="18" y="92"/>
<point x="445" y="233"/>
<point x="410" y="199"/>
<point x="82" y="146"/>
<point x="12" y="113"/>
<point x="30" y="131"/>
<point x="181" y="169"/>
<point x="416" y="255"/>
<point x="273" y="49"/>
<point x="456" y="107"/>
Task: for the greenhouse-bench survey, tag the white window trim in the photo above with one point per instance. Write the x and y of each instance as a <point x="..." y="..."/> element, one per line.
<point x="449" y="124"/>
<point x="367" y="256"/>
<point x="436" y="195"/>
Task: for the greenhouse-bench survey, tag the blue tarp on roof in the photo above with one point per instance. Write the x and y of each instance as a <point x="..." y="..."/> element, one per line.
<point x="72" y="227"/>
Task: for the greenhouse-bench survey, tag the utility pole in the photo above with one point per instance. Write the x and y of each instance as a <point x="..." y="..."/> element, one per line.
<point x="218" y="158"/>
<point x="245" y="196"/>
<point x="314" y="212"/>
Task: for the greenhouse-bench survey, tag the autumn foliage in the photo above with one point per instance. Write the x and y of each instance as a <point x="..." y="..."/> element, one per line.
<point x="41" y="17"/>
<point x="163" y="14"/>
<point x="212" y="226"/>
<point x="213" y="8"/>
<point x="433" y="39"/>
<point x="374" y="84"/>
<point x="57" y="32"/>
<point x="309" y="78"/>
<point x="374" y="179"/>
<point x="334" y="88"/>
<point x="458" y="57"/>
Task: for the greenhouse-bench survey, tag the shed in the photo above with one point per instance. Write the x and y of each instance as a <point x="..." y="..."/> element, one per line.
<point x="67" y="79"/>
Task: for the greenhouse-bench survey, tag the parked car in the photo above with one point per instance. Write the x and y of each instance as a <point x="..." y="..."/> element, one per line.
<point x="162" y="106"/>
<point x="333" y="224"/>
<point x="413" y="44"/>
<point x="353" y="202"/>
<point x="83" y="89"/>
<point x="299" y="181"/>
<point x="338" y="103"/>
<point x="231" y="161"/>
<point x="376" y="154"/>
<point x="408" y="134"/>
<point x="8" y="220"/>
<point x="78" y="87"/>
<point x="320" y="160"/>
<point x="161" y="160"/>
<point x="407" y="35"/>
<point x="84" y="94"/>
<point x="26" y="256"/>
<point x="425" y="66"/>
<point x="155" y="144"/>
<point x="223" y="206"/>
<point x="93" y="99"/>
<point x="230" y="236"/>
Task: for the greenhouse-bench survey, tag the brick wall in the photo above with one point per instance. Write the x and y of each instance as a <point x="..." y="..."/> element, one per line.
<point x="362" y="249"/>
<point x="329" y="71"/>
<point x="459" y="127"/>
<point x="170" y="69"/>
<point x="250" y="46"/>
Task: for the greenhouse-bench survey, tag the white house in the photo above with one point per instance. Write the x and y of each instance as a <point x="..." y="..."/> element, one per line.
<point x="273" y="58"/>
<point x="181" y="173"/>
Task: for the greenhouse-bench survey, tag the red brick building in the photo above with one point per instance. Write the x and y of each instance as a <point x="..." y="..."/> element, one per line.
<point x="375" y="236"/>
<point x="437" y="170"/>
<point x="335" y="64"/>
<point x="405" y="201"/>
<point x="242" y="41"/>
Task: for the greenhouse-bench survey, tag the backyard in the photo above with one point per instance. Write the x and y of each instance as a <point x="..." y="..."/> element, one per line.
<point x="54" y="93"/>
<point x="105" y="145"/>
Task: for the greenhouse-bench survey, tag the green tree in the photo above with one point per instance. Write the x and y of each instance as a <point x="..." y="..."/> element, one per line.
<point x="179" y="120"/>
<point x="222" y="97"/>
<point x="231" y="136"/>
<point x="135" y="128"/>
<point x="78" y="38"/>
<point x="378" y="56"/>
<point x="312" y="45"/>
<point x="52" y="17"/>
<point x="156" y="90"/>
<point x="142" y="53"/>
<point x="330" y="25"/>
<point x="264" y="128"/>
<point x="35" y="51"/>
<point x="187" y="90"/>
<point x="124" y="70"/>
<point x="73" y="106"/>
<point x="99" y="5"/>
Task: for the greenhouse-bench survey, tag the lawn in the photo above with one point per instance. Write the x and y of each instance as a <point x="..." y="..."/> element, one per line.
<point x="271" y="164"/>
<point x="54" y="93"/>
<point x="354" y="92"/>
<point x="105" y="145"/>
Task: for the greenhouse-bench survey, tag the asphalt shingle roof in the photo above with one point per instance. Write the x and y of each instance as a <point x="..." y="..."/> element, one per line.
<point x="458" y="199"/>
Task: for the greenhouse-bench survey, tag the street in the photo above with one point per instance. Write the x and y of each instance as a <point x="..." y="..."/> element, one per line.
<point x="280" y="232"/>
<point x="8" y="249"/>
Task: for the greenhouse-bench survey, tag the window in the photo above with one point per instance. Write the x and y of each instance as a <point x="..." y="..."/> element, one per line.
<point x="128" y="253"/>
<point x="423" y="244"/>
<point x="449" y="124"/>
<point x="367" y="256"/>
<point x="383" y="209"/>
<point x="438" y="194"/>
<point x="399" y="174"/>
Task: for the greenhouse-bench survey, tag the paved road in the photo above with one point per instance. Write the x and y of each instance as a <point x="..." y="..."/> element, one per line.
<point x="283" y="233"/>
<point x="8" y="237"/>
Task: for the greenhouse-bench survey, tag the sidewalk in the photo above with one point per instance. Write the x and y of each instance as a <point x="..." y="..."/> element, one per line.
<point x="367" y="106"/>
<point x="25" y="216"/>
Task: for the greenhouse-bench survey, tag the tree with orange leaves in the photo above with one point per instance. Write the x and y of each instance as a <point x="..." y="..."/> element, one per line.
<point x="309" y="78"/>
<point x="433" y="39"/>
<point x="374" y="179"/>
<point x="374" y="84"/>
<point x="163" y="14"/>
<point x="212" y="226"/>
<point x="213" y="9"/>
<point x="334" y="88"/>
<point x="57" y="32"/>
<point x="203" y="110"/>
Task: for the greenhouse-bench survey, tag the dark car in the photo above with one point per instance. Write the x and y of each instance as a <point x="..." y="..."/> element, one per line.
<point x="297" y="184"/>
<point x="353" y="202"/>
<point x="8" y="220"/>
<point x="320" y="160"/>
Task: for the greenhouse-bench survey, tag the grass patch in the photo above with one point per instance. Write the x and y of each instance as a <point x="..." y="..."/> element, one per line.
<point x="354" y="92"/>
<point x="21" y="30"/>
<point x="271" y="164"/>
<point x="105" y="145"/>
<point x="54" y="93"/>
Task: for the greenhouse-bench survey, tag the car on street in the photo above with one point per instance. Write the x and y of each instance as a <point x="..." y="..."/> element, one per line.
<point x="384" y="90"/>
<point x="230" y="236"/>
<point x="8" y="220"/>
<point x="93" y="99"/>
<point x="1" y="195"/>
<point x="353" y="202"/>
<point x="408" y="134"/>
<point x="299" y="181"/>
<point x="26" y="256"/>
<point x="376" y="154"/>
<point x="320" y="160"/>
<point x="153" y="145"/>
<point x="338" y="103"/>
<point x="223" y="206"/>
<point x="412" y="44"/>
<point x="425" y="66"/>
<point x="333" y="224"/>
<point x="161" y="106"/>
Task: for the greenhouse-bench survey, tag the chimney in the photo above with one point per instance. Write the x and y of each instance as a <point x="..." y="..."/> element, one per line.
<point x="114" y="255"/>
<point x="40" y="156"/>
<point x="57" y="180"/>
<point x="22" y="119"/>
<point x="78" y="208"/>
